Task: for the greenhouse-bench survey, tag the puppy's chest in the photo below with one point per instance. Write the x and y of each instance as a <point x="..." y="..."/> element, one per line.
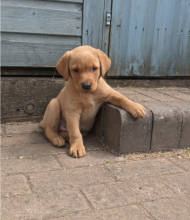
<point x="89" y="110"/>
<point x="88" y="115"/>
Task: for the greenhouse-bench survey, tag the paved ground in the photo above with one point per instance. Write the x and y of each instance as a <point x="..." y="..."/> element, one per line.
<point x="40" y="181"/>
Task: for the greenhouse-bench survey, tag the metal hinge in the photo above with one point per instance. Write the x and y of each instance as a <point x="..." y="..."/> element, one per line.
<point x="108" y="18"/>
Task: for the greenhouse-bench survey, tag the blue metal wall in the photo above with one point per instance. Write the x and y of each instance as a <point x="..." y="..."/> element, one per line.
<point x="150" y="38"/>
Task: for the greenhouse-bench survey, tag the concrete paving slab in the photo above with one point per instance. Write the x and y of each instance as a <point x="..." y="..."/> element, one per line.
<point x="39" y="149"/>
<point x="123" y="133"/>
<point x="121" y="213"/>
<point x="143" y="168"/>
<point x="14" y="185"/>
<point x="29" y="164"/>
<point x="23" y="128"/>
<point x="135" y="96"/>
<point x="170" y="209"/>
<point x="92" y="158"/>
<point x="71" y="178"/>
<point x="176" y="94"/>
<point x="180" y="182"/>
<point x="22" y="139"/>
<point x="185" y="164"/>
<point x="157" y="95"/>
<point x="8" y="153"/>
<point x="128" y="192"/>
<point x="43" y="205"/>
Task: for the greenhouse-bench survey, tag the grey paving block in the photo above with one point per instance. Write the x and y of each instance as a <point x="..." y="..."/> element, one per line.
<point x="92" y="158"/>
<point x="167" y="123"/>
<point x="185" y="164"/>
<point x="122" y="213"/>
<point x="14" y="185"/>
<point x="98" y="128"/>
<point x="21" y="139"/>
<point x="71" y="178"/>
<point x="30" y="164"/>
<point x="23" y="128"/>
<point x="184" y="108"/>
<point x="8" y="152"/>
<point x="43" y="205"/>
<point x="123" y="133"/>
<point x="125" y="193"/>
<point x="91" y="142"/>
<point x="180" y="182"/>
<point x="143" y="168"/>
<point x="170" y="209"/>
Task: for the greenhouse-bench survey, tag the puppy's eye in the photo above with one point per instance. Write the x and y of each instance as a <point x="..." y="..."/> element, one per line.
<point x="76" y="70"/>
<point x="94" y="68"/>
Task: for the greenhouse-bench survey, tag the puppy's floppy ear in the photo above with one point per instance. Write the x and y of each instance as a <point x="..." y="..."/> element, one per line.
<point x="105" y="62"/>
<point x="63" y="65"/>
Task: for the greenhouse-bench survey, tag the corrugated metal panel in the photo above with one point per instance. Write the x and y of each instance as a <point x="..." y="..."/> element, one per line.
<point x="150" y="38"/>
<point x="37" y="33"/>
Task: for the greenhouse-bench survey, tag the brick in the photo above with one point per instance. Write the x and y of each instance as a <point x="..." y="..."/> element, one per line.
<point x="60" y="179"/>
<point x="185" y="164"/>
<point x="92" y="158"/>
<point x="170" y="209"/>
<point x="30" y="164"/>
<point x="123" y="133"/>
<point x="43" y="205"/>
<point x="14" y="185"/>
<point x="23" y="129"/>
<point x="178" y="182"/>
<point x="125" y="193"/>
<point x="151" y="167"/>
<point x="8" y="152"/>
<point x="167" y="123"/>
<point x="34" y="138"/>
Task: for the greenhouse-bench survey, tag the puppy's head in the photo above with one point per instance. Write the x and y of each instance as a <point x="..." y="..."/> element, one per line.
<point x="84" y="65"/>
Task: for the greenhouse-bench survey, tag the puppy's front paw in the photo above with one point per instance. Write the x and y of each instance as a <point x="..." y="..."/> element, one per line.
<point x="58" y="141"/>
<point x="137" y="110"/>
<point x="77" y="151"/>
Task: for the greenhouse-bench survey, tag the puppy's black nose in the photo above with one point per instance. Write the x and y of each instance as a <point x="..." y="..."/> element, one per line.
<point x="86" y="85"/>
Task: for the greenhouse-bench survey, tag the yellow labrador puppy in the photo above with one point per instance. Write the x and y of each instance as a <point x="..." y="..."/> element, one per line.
<point x="72" y="114"/>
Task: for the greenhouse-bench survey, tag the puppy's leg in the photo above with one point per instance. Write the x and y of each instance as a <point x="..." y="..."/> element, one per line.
<point x="64" y="135"/>
<point x="51" y="122"/>
<point x="135" y="109"/>
<point x="77" y="148"/>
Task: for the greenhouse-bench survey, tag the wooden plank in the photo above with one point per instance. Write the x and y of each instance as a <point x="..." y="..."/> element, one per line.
<point x="95" y="32"/>
<point x="119" y="35"/>
<point x="35" y="50"/>
<point x="24" y="1"/>
<point x="150" y="38"/>
<point x="41" y="20"/>
<point x="19" y="90"/>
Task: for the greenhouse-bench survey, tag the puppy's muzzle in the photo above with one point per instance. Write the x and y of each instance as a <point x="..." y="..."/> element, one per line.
<point x="86" y="86"/>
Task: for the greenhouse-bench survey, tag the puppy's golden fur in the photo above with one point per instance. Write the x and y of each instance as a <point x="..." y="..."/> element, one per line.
<point x="79" y="101"/>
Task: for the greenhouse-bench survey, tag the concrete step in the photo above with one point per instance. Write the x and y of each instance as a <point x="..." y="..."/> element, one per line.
<point x="166" y="125"/>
